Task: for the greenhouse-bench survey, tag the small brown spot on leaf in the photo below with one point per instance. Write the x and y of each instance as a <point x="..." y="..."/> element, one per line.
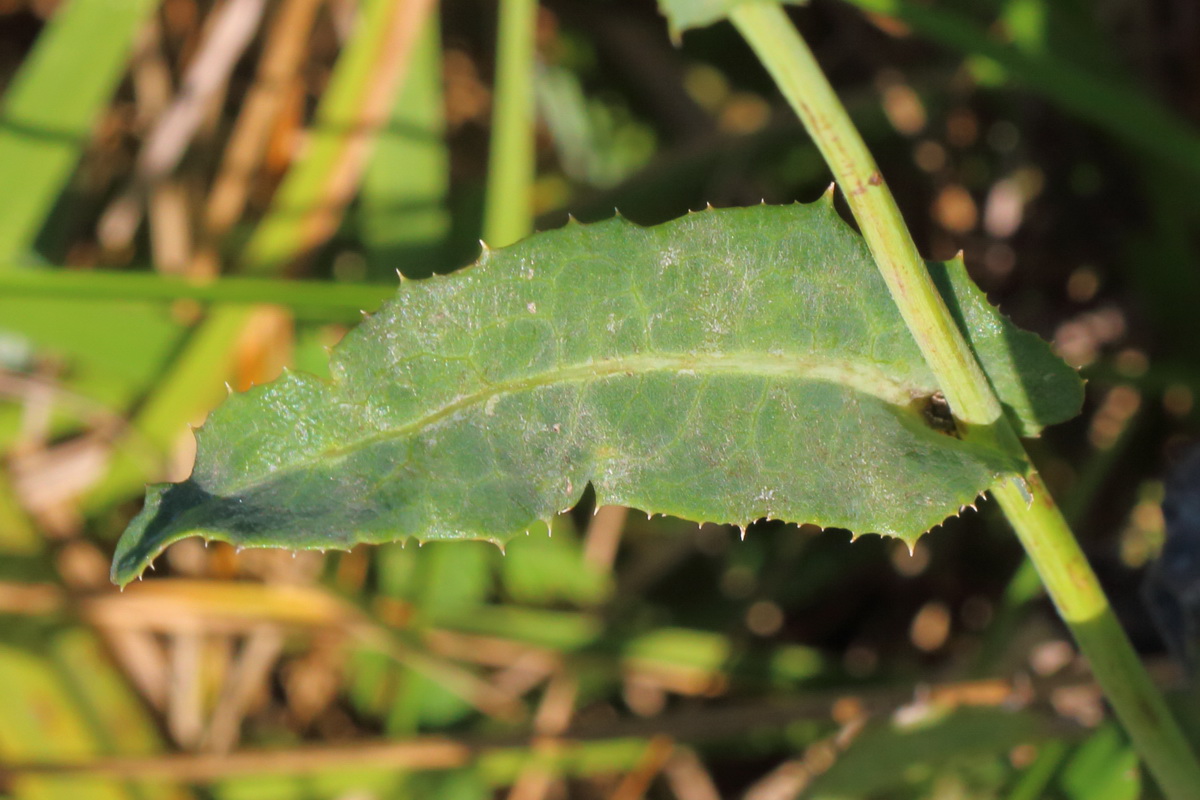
<point x="936" y="412"/>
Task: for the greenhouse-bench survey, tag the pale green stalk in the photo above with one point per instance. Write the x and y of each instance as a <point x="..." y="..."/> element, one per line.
<point x="311" y="300"/>
<point x="1026" y="502"/>
<point x="508" y="213"/>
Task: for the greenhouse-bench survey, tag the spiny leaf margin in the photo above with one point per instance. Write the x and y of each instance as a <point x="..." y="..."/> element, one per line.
<point x="771" y="377"/>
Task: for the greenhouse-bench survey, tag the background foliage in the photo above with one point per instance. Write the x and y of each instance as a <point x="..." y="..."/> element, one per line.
<point x="147" y="148"/>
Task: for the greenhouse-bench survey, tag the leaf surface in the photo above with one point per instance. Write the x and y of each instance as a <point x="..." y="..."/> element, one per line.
<point x="727" y="366"/>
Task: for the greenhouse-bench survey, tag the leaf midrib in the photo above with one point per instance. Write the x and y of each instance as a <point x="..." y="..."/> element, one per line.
<point x="862" y="376"/>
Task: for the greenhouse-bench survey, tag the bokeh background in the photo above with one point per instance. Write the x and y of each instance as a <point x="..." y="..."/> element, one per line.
<point x="196" y="193"/>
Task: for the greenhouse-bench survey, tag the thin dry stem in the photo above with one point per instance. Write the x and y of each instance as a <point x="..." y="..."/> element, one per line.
<point x="278" y="68"/>
<point x="227" y="39"/>
<point x="250" y="672"/>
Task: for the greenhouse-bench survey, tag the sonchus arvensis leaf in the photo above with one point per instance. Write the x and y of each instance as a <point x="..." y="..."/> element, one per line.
<point x="728" y="366"/>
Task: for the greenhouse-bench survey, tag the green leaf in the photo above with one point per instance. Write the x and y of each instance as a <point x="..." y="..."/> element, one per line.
<point x="684" y="15"/>
<point x="727" y="366"/>
<point x="547" y="568"/>
<point x="1102" y="768"/>
<point x="402" y="212"/>
<point x="1036" y="387"/>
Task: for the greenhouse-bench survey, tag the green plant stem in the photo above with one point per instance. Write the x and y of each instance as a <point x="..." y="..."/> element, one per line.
<point x="508" y="213"/>
<point x="1082" y="604"/>
<point x="1025" y="585"/>
<point x="311" y="300"/>
<point x="1026" y="502"/>
<point x="795" y="70"/>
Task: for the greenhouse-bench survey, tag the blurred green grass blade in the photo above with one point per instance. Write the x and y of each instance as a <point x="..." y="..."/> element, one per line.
<point x="402" y="213"/>
<point x="311" y="197"/>
<point x="192" y="385"/>
<point x="72" y="329"/>
<point x="62" y="701"/>
<point x="47" y="115"/>
<point x="40" y="722"/>
<point x="496" y="767"/>
<point x="1070" y="31"/>
<point x="1102" y="768"/>
<point x="447" y="581"/>
<point x="889" y="757"/>
<point x="100" y="368"/>
<point x="463" y="784"/>
<point x="109" y="365"/>
<point x="104" y="698"/>
<point x="454" y="581"/>
<point x="508" y="210"/>
<point x="684" y="15"/>
<point x="666" y="647"/>
<point x="440" y="581"/>
<point x="46" y="120"/>
<point x="1032" y="783"/>
<point x="548" y="567"/>
<point x="17" y="534"/>
<point x="501" y="767"/>
<point x="1122" y="110"/>
<point x="346" y="782"/>
<point x="33" y="301"/>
